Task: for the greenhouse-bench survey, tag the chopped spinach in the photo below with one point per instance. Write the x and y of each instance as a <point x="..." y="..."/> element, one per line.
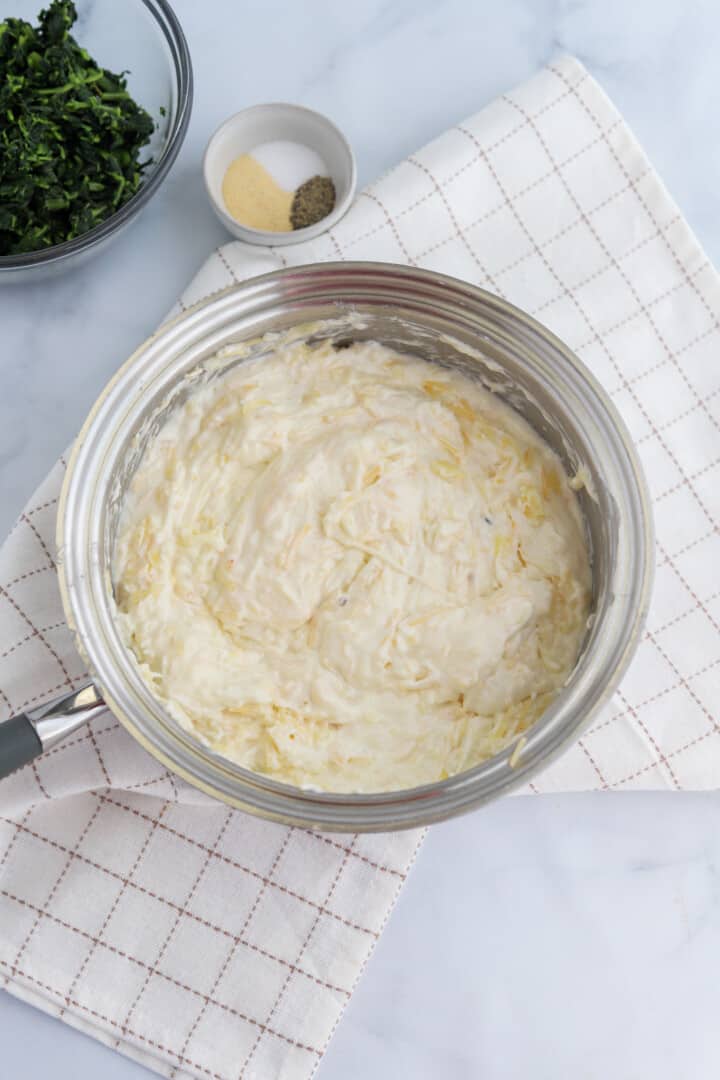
<point x="70" y="134"/>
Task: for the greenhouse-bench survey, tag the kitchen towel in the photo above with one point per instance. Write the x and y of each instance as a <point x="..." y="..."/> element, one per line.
<point x="206" y="943"/>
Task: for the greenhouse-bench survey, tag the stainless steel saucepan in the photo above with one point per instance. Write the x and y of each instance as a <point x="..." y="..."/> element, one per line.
<point x="413" y="311"/>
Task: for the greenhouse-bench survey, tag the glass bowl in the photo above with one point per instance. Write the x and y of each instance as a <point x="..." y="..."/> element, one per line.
<point x="144" y="39"/>
<point x="414" y="311"/>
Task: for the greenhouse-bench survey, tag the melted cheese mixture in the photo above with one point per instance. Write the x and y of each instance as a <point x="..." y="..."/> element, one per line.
<point x="351" y="570"/>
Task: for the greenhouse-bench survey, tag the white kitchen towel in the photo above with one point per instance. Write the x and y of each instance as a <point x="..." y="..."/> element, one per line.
<point x="209" y="944"/>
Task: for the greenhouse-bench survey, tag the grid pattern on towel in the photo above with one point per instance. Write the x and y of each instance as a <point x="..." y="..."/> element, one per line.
<point x="206" y="943"/>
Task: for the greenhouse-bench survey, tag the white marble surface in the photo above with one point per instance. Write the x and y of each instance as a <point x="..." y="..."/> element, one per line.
<point x="566" y="937"/>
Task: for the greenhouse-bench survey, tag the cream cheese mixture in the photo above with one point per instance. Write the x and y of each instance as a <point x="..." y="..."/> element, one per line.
<point x="351" y="570"/>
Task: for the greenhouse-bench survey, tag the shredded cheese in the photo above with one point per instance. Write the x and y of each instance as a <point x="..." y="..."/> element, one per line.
<point x="520" y="745"/>
<point x="351" y="570"/>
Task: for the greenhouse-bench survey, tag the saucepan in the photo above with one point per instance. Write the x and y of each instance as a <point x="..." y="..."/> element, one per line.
<point x="412" y="311"/>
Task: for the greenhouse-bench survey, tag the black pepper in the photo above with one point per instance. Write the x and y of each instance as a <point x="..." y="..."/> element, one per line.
<point x="312" y="201"/>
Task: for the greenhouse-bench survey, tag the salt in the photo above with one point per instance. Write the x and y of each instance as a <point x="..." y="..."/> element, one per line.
<point x="289" y="163"/>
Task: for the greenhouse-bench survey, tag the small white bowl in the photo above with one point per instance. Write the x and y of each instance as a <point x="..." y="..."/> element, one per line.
<point x="241" y="133"/>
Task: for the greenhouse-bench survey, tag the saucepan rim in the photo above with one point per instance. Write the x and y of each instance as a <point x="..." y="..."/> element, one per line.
<point x="84" y="577"/>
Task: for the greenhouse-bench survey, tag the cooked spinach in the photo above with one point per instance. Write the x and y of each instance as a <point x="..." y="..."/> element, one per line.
<point x="70" y="134"/>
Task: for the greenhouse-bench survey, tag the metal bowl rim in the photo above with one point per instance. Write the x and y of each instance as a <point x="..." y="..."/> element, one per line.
<point x="378" y="804"/>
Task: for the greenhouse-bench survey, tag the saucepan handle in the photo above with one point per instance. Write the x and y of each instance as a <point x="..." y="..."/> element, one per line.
<point x="27" y="735"/>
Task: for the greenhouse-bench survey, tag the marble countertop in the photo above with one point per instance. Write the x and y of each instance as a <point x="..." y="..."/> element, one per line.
<point x="570" y="936"/>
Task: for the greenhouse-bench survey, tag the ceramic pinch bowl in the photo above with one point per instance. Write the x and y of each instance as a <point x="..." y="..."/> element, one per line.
<point x="262" y="124"/>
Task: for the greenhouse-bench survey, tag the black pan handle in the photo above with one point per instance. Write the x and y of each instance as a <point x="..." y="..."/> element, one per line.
<point x="25" y="736"/>
<point x="19" y="744"/>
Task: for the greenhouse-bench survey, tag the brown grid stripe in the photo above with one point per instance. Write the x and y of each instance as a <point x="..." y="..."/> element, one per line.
<point x="390" y="222"/>
<point x="670" y="755"/>
<point x="154" y="969"/>
<point x="459" y="231"/>
<point x="685" y="684"/>
<point x="637" y="312"/>
<point x="42" y="913"/>
<point x="661" y="757"/>
<point x="179" y="909"/>
<point x="109" y="1022"/>
<point x="617" y="264"/>
<point x="124" y="884"/>
<point x="692" y="476"/>
<point x="388" y="913"/>
<point x="641" y="199"/>
<point x="355" y="854"/>
<point x="28" y="574"/>
<point x="468" y="165"/>
<point x="487" y="215"/>
<point x="230" y="954"/>
<point x="631" y="380"/>
<point x="245" y="869"/>
<point x="36" y="633"/>
<point x="28" y="637"/>
<point x="46" y="550"/>
<point x="657" y="696"/>
<point x="301" y="952"/>
<point x="680" y="416"/>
